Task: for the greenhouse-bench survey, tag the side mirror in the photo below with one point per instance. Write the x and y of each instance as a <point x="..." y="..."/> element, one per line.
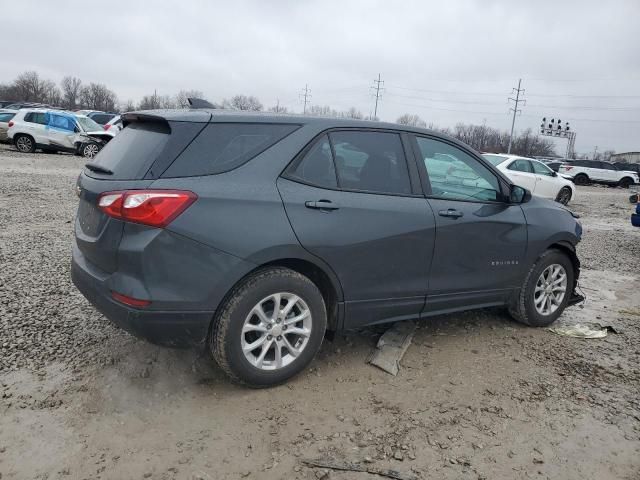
<point x="519" y="194"/>
<point x="554" y="173"/>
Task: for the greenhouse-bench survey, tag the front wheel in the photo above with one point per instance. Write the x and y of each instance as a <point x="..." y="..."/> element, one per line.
<point x="564" y="195"/>
<point x="626" y="182"/>
<point x="546" y="290"/>
<point x="90" y="150"/>
<point x="269" y="328"/>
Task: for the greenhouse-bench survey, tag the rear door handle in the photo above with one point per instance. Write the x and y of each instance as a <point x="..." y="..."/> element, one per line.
<point x="451" y="213"/>
<point x="326" y="205"/>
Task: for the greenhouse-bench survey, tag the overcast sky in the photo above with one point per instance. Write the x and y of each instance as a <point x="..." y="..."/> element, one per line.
<point x="448" y="62"/>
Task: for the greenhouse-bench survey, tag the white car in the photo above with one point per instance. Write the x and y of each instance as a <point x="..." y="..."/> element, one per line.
<point x="584" y="172"/>
<point x="534" y="176"/>
<point x="56" y="130"/>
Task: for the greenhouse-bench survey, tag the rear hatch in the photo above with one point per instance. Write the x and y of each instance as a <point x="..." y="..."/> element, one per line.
<point x="131" y="161"/>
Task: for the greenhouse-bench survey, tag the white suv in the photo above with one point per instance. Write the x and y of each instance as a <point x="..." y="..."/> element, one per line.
<point x="56" y="130"/>
<point x="584" y="172"/>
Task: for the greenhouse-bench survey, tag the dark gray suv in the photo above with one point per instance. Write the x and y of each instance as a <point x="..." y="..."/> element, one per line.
<point x="254" y="234"/>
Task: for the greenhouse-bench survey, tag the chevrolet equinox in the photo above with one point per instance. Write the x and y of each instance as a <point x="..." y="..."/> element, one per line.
<point x="254" y="234"/>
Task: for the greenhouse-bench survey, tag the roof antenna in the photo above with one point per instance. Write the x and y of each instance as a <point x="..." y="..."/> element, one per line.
<point x="199" y="103"/>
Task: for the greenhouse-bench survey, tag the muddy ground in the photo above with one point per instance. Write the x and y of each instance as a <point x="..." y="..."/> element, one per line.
<point x="478" y="395"/>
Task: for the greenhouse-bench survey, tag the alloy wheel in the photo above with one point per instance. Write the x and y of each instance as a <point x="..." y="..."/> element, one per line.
<point x="90" y="150"/>
<point x="550" y="290"/>
<point x="24" y="144"/>
<point x="564" y="196"/>
<point x="276" y="331"/>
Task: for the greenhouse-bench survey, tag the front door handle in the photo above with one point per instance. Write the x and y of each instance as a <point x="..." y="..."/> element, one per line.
<point x="451" y="213"/>
<point x="326" y="205"/>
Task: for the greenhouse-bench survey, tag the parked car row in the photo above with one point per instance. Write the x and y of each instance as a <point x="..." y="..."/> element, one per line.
<point x="583" y="172"/>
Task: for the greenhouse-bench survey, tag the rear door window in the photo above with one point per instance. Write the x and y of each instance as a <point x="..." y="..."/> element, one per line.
<point x="317" y="167"/>
<point x="36" y="117"/>
<point x="221" y="147"/>
<point x="371" y="161"/>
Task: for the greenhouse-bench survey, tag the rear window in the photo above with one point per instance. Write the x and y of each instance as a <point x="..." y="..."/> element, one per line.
<point x="101" y="118"/>
<point x="221" y="147"/>
<point x="5" y="117"/>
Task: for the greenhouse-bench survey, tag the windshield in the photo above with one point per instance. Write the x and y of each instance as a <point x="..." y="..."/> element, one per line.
<point x="89" y="125"/>
<point x="495" y="159"/>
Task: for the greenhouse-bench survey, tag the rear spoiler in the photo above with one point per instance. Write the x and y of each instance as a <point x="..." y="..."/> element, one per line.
<point x="135" y="117"/>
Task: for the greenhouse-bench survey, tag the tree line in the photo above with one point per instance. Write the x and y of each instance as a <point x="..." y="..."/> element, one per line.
<point x="73" y="94"/>
<point x="489" y="139"/>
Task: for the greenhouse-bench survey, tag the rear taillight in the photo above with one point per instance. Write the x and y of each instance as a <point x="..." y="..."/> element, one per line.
<point x="106" y="127"/>
<point x="156" y="208"/>
<point x="11" y="124"/>
<point x="566" y="168"/>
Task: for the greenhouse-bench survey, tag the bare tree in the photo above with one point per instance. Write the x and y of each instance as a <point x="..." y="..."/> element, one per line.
<point x="97" y="96"/>
<point x="278" y="109"/>
<point x="243" y="102"/>
<point x="71" y="87"/>
<point x="352" y="113"/>
<point x="322" y="111"/>
<point x="411" y="120"/>
<point x="182" y="98"/>
<point x="129" y="106"/>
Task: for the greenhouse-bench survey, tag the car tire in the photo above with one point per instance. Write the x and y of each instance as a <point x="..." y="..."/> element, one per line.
<point x="90" y="149"/>
<point x="530" y="305"/>
<point x="564" y="196"/>
<point x="581" y="179"/>
<point x="246" y="318"/>
<point x="626" y="182"/>
<point x="24" y="143"/>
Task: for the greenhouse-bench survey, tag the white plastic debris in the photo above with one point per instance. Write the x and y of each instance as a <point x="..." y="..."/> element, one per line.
<point x="392" y="346"/>
<point x="583" y="330"/>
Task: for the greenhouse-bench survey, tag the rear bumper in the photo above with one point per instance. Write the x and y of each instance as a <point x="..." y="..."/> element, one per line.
<point x="179" y="329"/>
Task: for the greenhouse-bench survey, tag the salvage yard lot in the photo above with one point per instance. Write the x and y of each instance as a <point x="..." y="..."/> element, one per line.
<point x="478" y="396"/>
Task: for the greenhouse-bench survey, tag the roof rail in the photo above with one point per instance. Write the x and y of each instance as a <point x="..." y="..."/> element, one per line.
<point x="199" y="103"/>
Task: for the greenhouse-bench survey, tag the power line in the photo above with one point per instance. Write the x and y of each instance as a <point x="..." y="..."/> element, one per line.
<point x="377" y="88"/>
<point x="491" y="94"/>
<point x="515" y="110"/>
<point x="306" y="94"/>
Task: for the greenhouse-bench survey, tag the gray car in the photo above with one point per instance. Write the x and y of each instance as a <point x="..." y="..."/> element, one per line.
<point x="255" y="234"/>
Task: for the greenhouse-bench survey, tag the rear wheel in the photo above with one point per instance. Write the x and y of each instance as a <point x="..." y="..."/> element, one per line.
<point x="626" y="182"/>
<point x="581" y="179"/>
<point x="25" y="143"/>
<point x="269" y="328"/>
<point x="546" y="290"/>
<point x="564" y="195"/>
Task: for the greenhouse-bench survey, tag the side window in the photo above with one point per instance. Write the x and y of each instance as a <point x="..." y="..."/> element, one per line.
<point x="455" y="174"/>
<point x="541" y="169"/>
<point x="221" y="147"/>
<point x="36" y="117"/>
<point x="63" y="123"/>
<point x="317" y="166"/>
<point x="520" y="165"/>
<point x="370" y="161"/>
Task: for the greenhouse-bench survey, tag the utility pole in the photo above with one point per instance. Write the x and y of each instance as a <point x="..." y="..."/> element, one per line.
<point x="515" y="110"/>
<point x="306" y="94"/>
<point x="377" y="88"/>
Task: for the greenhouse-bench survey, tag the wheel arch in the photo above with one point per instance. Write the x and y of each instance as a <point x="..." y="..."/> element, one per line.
<point x="569" y="249"/>
<point x="322" y="276"/>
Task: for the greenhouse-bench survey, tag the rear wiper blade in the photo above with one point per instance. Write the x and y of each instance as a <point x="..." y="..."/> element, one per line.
<point x="94" y="167"/>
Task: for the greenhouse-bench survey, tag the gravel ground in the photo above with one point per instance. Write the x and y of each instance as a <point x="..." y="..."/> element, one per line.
<point x="478" y="396"/>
